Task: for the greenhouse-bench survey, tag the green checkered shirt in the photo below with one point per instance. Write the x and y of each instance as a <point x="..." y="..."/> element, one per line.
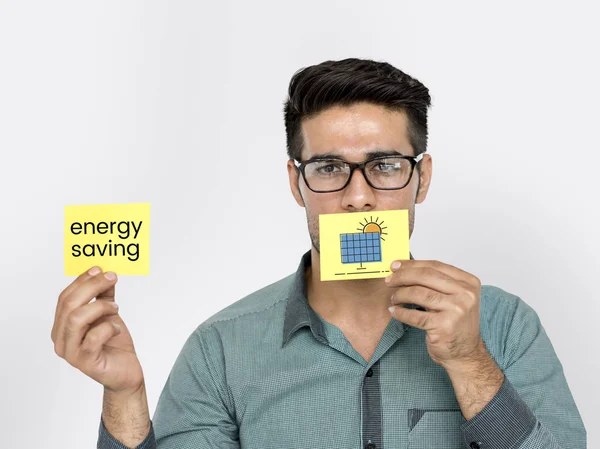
<point x="269" y="372"/>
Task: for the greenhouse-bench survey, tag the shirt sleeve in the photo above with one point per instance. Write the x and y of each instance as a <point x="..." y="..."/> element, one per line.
<point x="534" y="408"/>
<point x="107" y="441"/>
<point x="194" y="409"/>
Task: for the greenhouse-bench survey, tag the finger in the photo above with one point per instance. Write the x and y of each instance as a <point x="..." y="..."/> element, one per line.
<point x="413" y="317"/>
<point x="447" y="269"/>
<point x="95" y="286"/>
<point x="94" y="341"/>
<point x="83" y="277"/>
<point x="421" y="296"/>
<point x="77" y="323"/>
<point x="425" y="276"/>
<point x="99" y="285"/>
<point x="107" y="295"/>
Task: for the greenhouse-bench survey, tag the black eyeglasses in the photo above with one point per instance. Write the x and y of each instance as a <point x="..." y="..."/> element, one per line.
<point x="324" y="175"/>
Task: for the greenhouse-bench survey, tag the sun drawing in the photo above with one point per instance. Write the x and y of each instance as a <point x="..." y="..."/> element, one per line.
<point x="371" y="225"/>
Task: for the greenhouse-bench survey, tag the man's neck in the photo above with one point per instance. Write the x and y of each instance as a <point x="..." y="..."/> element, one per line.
<point x="360" y="304"/>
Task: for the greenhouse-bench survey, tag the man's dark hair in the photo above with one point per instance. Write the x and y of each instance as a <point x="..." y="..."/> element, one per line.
<point x="349" y="81"/>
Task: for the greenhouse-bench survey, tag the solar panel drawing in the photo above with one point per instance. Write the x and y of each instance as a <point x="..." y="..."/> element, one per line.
<point x="365" y="246"/>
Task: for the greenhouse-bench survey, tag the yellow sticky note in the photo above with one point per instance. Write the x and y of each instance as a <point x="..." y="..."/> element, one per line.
<point x="361" y="245"/>
<point x="116" y="237"/>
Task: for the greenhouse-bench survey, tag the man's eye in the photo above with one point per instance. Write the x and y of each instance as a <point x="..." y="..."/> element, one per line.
<point x="327" y="168"/>
<point x="385" y="167"/>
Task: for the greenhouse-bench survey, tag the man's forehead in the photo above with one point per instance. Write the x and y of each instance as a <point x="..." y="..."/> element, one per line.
<point x="355" y="132"/>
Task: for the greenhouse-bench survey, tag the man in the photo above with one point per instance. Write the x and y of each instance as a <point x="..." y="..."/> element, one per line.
<point x="339" y="364"/>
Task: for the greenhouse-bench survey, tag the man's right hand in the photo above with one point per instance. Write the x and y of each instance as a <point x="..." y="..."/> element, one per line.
<point x="92" y="337"/>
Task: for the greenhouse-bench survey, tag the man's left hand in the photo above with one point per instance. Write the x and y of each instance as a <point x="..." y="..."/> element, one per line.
<point x="451" y="298"/>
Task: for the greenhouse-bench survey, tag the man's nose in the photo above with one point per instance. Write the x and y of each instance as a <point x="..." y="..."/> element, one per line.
<point x="358" y="194"/>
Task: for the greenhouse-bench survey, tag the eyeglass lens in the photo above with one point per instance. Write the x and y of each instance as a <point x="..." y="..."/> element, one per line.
<point x="386" y="173"/>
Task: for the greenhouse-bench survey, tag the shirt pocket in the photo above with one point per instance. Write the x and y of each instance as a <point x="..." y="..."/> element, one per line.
<point x="435" y="429"/>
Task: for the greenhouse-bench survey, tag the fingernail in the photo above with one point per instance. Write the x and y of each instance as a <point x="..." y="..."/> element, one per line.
<point x="117" y="327"/>
<point x="391" y="309"/>
<point x="395" y="265"/>
<point x="94" y="271"/>
<point x="115" y="305"/>
<point x="110" y="276"/>
<point x="388" y="278"/>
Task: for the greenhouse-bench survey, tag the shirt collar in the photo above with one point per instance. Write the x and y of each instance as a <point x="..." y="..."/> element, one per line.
<point x="298" y="312"/>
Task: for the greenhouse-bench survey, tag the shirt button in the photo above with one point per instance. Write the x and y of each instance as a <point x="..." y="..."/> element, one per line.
<point x="370" y="446"/>
<point x="369" y="374"/>
<point x="475" y="445"/>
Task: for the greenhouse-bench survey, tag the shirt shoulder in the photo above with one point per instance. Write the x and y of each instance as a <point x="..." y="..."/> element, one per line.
<point x="498" y="304"/>
<point x="503" y="319"/>
<point x="256" y="302"/>
<point x="496" y="301"/>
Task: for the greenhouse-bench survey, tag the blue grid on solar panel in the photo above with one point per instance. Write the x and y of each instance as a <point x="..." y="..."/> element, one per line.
<point x="360" y="247"/>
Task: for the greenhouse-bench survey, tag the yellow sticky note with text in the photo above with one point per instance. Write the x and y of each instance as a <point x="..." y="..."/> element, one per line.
<point x="362" y="245"/>
<point x="115" y="237"/>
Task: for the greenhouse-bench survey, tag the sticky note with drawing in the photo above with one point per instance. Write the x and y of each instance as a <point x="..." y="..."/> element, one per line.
<point x="361" y="245"/>
<point x="115" y="237"/>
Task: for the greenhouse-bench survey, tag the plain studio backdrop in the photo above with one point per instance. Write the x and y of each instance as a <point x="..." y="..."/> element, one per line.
<point x="179" y="104"/>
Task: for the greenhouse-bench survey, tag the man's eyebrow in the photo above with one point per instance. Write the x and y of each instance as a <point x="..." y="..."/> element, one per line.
<point x="383" y="152"/>
<point x="380" y="152"/>
<point x="330" y="155"/>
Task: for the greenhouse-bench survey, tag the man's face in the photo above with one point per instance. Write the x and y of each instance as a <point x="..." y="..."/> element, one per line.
<point x="353" y="133"/>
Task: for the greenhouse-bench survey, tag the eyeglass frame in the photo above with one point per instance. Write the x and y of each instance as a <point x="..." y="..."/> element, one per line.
<point x="414" y="160"/>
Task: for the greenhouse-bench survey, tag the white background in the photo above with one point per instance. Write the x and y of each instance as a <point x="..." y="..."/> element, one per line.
<point x="149" y="101"/>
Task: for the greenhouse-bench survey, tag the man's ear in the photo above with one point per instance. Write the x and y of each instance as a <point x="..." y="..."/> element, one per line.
<point x="294" y="178"/>
<point x="424" y="178"/>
